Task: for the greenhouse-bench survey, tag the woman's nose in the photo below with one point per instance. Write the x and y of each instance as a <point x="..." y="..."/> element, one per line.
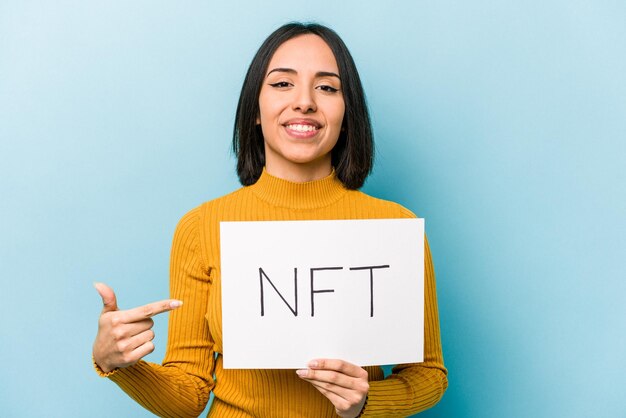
<point x="304" y="101"/>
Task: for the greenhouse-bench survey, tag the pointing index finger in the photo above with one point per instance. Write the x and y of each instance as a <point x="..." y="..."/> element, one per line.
<point x="152" y="309"/>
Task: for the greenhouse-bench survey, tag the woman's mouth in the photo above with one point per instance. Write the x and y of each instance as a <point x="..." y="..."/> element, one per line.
<point x="301" y="130"/>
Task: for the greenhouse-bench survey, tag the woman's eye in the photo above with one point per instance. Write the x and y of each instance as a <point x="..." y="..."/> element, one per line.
<point x="280" y="84"/>
<point x="329" y="89"/>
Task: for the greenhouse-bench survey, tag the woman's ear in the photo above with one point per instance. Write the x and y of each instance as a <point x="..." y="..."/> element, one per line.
<point x="258" y="120"/>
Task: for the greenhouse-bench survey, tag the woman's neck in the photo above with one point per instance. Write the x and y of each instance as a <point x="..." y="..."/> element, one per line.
<point x="300" y="173"/>
<point x="298" y="195"/>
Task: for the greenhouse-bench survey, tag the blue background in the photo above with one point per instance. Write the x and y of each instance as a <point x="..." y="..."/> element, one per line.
<point x="502" y="123"/>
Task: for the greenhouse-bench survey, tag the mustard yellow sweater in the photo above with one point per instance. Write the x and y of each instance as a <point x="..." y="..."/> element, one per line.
<point x="192" y="367"/>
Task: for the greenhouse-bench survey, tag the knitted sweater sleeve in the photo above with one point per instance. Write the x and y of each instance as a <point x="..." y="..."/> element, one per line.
<point x="412" y="388"/>
<point x="180" y="387"/>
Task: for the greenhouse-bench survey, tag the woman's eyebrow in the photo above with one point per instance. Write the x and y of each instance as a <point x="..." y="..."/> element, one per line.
<point x="327" y="74"/>
<point x="282" y="70"/>
<point x="292" y="71"/>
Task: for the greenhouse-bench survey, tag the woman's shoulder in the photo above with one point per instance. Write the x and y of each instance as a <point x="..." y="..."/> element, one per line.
<point x="226" y="199"/>
<point x="382" y="207"/>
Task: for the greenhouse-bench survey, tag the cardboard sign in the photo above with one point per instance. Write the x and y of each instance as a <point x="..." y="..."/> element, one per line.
<point x="293" y="291"/>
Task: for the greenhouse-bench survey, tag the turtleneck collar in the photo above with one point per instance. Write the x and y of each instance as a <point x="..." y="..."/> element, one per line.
<point x="307" y="195"/>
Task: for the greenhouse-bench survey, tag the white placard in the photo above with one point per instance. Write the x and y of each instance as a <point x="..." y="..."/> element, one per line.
<point x="293" y="291"/>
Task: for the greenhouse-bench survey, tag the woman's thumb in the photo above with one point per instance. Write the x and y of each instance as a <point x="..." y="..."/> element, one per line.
<point x="108" y="297"/>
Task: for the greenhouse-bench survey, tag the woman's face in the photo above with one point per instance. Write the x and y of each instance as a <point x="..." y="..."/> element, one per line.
<point x="301" y="109"/>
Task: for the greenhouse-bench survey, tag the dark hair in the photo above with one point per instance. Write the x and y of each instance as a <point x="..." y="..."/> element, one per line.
<point x="352" y="156"/>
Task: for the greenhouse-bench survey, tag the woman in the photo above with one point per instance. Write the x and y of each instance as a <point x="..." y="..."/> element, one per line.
<point x="304" y="146"/>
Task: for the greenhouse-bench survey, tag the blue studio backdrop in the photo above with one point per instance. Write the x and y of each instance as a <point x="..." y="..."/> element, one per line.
<point x="503" y="123"/>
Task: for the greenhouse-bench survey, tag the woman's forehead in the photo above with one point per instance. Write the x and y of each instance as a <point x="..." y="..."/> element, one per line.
<point x="304" y="52"/>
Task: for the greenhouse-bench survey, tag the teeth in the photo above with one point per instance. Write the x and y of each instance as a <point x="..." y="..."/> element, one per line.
<point x="302" y="128"/>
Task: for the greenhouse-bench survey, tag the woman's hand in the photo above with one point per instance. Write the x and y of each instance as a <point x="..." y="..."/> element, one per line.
<point x="124" y="337"/>
<point x="343" y="383"/>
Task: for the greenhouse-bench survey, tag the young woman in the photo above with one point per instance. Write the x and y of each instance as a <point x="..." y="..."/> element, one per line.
<point x="304" y="146"/>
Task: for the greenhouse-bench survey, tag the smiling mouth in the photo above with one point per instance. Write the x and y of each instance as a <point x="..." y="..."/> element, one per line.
<point x="301" y="128"/>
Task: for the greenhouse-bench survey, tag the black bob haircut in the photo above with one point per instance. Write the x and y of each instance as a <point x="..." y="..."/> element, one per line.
<point x="352" y="156"/>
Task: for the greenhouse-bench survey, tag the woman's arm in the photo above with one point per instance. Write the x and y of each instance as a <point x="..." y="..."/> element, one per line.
<point x="181" y="386"/>
<point x="412" y="388"/>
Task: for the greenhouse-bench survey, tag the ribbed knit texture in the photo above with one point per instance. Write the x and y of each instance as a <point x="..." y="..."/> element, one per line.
<point x="193" y="363"/>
